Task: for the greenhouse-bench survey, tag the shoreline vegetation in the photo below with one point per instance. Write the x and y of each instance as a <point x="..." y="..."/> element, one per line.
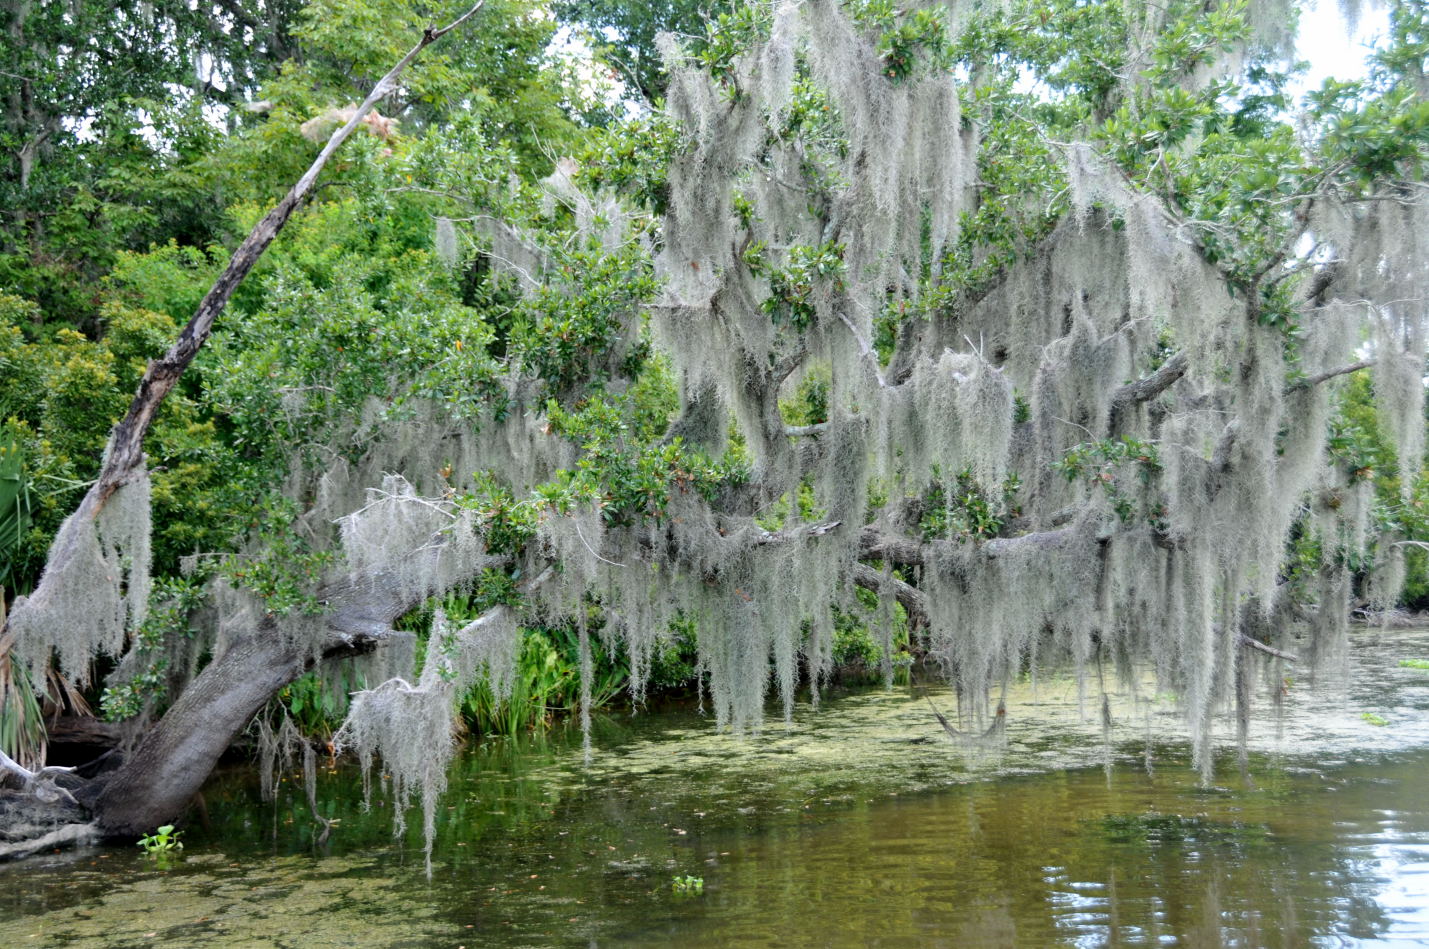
<point x="375" y="373"/>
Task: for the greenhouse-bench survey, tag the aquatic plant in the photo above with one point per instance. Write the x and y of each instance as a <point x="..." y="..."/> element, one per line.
<point x="544" y="684"/>
<point x="162" y="842"/>
<point x="1157" y="829"/>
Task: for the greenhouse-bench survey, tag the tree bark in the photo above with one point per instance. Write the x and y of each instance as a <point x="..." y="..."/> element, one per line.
<point x="1144" y="390"/>
<point x="155" y="783"/>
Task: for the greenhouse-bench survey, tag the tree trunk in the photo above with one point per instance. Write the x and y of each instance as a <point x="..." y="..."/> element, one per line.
<point x="156" y="782"/>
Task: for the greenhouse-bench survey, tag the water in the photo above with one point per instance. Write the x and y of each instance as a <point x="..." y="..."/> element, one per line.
<point x="860" y="825"/>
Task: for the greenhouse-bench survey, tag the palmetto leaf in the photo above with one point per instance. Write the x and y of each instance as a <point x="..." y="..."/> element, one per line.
<point x="14" y="506"/>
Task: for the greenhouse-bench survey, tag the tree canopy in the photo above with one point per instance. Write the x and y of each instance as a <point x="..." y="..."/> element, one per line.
<point x="1056" y="332"/>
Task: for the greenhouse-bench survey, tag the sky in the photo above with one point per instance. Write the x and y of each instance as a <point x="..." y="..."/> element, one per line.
<point x="1334" y="47"/>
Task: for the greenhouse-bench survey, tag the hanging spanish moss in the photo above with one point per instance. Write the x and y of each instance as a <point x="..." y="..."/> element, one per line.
<point x="1173" y="528"/>
<point x="445" y="242"/>
<point x="107" y="556"/>
<point x="1094" y="454"/>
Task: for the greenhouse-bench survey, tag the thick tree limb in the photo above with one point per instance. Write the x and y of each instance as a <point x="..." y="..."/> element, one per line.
<point x="876" y="544"/>
<point x="1143" y="390"/>
<point x="1037" y="540"/>
<point x="915" y="603"/>
<point x="175" y="757"/>
<point x="83" y="730"/>
<point x="766" y="538"/>
<point x="1059" y="518"/>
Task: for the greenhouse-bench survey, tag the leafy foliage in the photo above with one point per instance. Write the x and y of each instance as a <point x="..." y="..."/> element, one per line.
<point x="624" y="35"/>
<point x="1107" y="463"/>
<point x="867" y="284"/>
<point x="161" y="842"/>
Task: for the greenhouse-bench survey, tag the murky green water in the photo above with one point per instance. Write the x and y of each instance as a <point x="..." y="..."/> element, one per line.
<point x="859" y="825"/>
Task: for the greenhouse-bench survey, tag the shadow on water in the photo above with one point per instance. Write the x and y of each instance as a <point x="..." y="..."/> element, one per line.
<point x="862" y="824"/>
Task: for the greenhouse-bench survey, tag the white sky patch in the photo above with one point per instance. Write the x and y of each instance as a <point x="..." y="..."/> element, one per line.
<point x="1336" y="39"/>
<point x="595" y="81"/>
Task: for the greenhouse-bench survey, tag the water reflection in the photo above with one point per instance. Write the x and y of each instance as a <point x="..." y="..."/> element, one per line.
<point x="860" y="825"/>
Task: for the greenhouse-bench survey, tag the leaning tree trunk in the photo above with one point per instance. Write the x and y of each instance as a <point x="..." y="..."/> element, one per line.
<point x="161" y="775"/>
<point x="176" y="756"/>
<point x="155" y="783"/>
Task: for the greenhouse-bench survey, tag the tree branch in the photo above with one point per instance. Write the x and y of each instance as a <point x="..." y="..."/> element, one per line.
<point x="1301" y="220"/>
<point x="875" y="544"/>
<point x="14" y="767"/>
<point x="915" y="602"/>
<point x="1269" y="650"/>
<point x="1144" y="390"/>
<point x="40" y="783"/>
<point x="794" y="533"/>
<point x="1312" y="381"/>
<point x="124" y="454"/>
<point x="1320" y="284"/>
<point x="1221" y="457"/>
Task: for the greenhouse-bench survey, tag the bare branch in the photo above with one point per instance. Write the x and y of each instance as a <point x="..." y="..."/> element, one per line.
<point x="124" y="455"/>
<point x="14" y="767"/>
<point x="1144" y="390"/>
<point x="1269" y="650"/>
<point x="865" y="349"/>
<point x="1312" y="381"/>
<point x="40" y="783"/>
